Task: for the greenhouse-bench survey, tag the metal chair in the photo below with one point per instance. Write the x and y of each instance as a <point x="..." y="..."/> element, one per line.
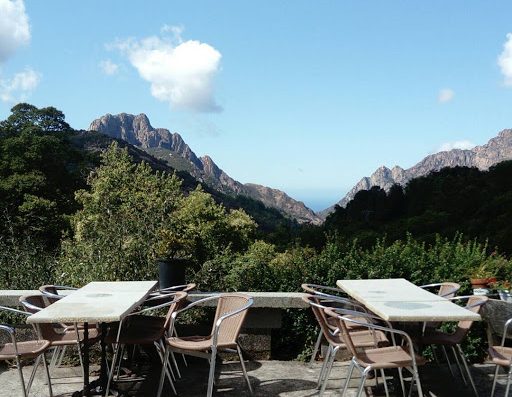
<point x="327" y="292"/>
<point x="162" y="293"/>
<point x="362" y="337"/>
<point x="59" y="335"/>
<point x="228" y="321"/>
<point x="138" y="329"/>
<point x="53" y="290"/>
<point x="453" y="340"/>
<point x="445" y="290"/>
<point x="380" y="358"/>
<point x="502" y="357"/>
<point x="18" y="351"/>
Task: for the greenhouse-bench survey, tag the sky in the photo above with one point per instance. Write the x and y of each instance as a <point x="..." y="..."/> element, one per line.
<point x="303" y="96"/>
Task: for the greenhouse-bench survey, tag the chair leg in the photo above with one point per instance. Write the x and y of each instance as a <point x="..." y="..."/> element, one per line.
<point x="62" y="354"/>
<point x="364" y="374"/>
<point x="349" y="376"/>
<point x="401" y="377"/>
<point x="244" y="369"/>
<point x="316" y="347"/>
<point x="385" y="383"/>
<point x="121" y="355"/>
<point x="212" y="371"/>
<point x="465" y="362"/>
<point x="416" y="377"/>
<point x="459" y="366"/>
<point x="509" y="378"/>
<point x="79" y="348"/>
<point x="495" y="380"/>
<point x="448" y="360"/>
<point x="112" y="369"/>
<point x="175" y="364"/>
<point x="324" y="366"/>
<point x="162" y="373"/>
<point x="328" y="369"/>
<point x="33" y="374"/>
<point x="20" y="371"/>
<point x="48" y="378"/>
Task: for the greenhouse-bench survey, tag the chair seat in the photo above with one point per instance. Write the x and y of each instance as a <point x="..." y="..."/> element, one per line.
<point x="69" y="337"/>
<point x="141" y="320"/>
<point x="436" y="337"/>
<point x="501" y="355"/>
<point x="369" y="338"/>
<point x="134" y="334"/>
<point x="30" y="349"/>
<point x="388" y="357"/>
<point x="196" y="343"/>
<point x="331" y="322"/>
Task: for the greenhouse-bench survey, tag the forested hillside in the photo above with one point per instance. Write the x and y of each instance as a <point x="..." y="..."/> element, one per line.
<point x="466" y="200"/>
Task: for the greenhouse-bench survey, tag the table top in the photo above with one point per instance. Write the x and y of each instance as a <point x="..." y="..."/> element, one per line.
<point x="400" y="300"/>
<point x="99" y="301"/>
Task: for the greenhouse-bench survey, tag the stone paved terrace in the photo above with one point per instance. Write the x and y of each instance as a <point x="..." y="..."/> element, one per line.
<point x="269" y="378"/>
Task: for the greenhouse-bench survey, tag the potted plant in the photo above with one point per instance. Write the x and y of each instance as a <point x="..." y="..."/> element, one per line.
<point x="503" y="289"/>
<point x="172" y="254"/>
<point x="480" y="278"/>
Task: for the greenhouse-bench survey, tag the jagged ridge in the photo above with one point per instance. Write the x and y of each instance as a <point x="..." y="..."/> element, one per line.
<point x="137" y="130"/>
<point x="482" y="157"/>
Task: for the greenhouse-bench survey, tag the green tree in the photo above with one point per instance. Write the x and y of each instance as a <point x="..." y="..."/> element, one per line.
<point x="127" y="212"/>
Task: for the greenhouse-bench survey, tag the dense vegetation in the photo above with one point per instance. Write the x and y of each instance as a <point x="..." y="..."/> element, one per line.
<point x="453" y="200"/>
<point x="71" y="215"/>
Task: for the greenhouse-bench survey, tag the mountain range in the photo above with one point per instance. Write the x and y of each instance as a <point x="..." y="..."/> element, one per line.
<point x="482" y="157"/>
<point x="170" y="147"/>
<point x="161" y="143"/>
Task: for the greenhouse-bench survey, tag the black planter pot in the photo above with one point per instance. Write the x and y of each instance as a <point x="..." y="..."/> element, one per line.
<point x="171" y="272"/>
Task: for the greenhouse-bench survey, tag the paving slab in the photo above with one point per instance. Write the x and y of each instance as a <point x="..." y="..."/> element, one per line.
<point x="269" y="378"/>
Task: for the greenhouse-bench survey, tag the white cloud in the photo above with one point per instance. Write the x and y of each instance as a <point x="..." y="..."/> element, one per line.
<point x="505" y="60"/>
<point x="464" y="145"/>
<point x="14" y="27"/>
<point x="445" y="95"/>
<point x="108" y="67"/>
<point x="19" y="87"/>
<point x="180" y="72"/>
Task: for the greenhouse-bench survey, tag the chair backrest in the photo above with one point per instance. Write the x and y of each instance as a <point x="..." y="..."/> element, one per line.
<point x="176" y="288"/>
<point x="35" y="303"/>
<point x="178" y="303"/>
<point x="315" y="302"/>
<point x="475" y="304"/>
<point x="230" y="328"/>
<point x="448" y="289"/>
<point x="344" y="332"/>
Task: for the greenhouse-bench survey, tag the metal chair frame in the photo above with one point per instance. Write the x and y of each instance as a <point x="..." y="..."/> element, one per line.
<point x="159" y="344"/>
<point x="334" y="332"/>
<point x="342" y="317"/>
<point x="212" y="355"/>
<point x="315" y="289"/>
<point x="509" y="374"/>
<point x="458" y="354"/>
<point x="12" y="334"/>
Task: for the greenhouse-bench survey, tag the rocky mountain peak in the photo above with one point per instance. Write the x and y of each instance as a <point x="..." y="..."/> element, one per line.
<point x="482" y="157"/>
<point x="137" y="130"/>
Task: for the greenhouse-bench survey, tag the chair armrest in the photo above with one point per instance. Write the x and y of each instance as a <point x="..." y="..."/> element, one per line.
<point x="216" y="328"/>
<point x="345" y="301"/>
<point x="16" y="311"/>
<point x="234" y="312"/>
<point x="12" y="333"/>
<point x="189" y="306"/>
<point x="147" y="309"/>
<point x="505" y="329"/>
<point x="431" y="285"/>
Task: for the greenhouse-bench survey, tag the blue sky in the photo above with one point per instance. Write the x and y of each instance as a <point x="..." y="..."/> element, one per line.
<point x="303" y="96"/>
